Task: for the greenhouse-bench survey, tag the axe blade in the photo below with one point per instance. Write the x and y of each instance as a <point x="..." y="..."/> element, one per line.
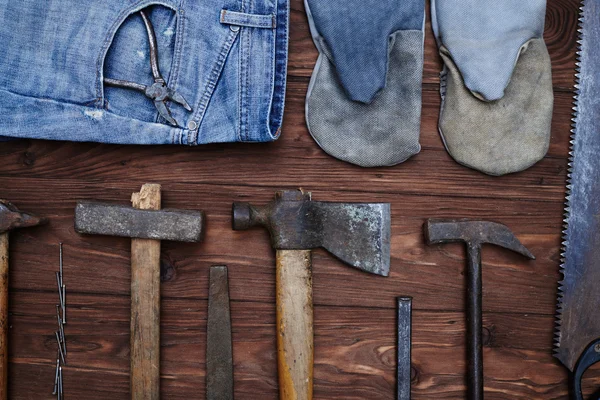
<point x="358" y="234"/>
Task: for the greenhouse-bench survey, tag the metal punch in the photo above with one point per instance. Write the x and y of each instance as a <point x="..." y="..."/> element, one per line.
<point x="157" y="92"/>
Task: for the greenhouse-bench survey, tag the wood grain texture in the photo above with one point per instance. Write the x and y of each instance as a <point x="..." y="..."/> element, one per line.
<point x="4" y="269"/>
<point x="145" y="304"/>
<point x="354" y="313"/>
<point x="295" y="345"/>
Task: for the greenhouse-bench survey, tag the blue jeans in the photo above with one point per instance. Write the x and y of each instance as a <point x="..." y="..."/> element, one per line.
<point x="228" y="58"/>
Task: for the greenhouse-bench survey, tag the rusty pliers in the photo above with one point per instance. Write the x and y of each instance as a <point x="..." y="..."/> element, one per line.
<point x="158" y="92"/>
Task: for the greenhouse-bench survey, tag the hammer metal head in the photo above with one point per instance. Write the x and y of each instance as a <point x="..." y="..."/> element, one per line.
<point x="11" y="218"/>
<point x="358" y="234"/>
<point x="96" y="218"/>
<point x="474" y="233"/>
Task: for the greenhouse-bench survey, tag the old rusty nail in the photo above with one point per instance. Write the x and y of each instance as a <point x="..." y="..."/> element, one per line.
<point x="64" y="304"/>
<point x="56" y="377"/>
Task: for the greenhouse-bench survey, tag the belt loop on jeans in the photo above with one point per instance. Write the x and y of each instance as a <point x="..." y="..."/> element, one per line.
<point x="248" y="20"/>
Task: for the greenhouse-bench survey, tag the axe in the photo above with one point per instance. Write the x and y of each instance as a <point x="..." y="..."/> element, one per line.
<point x="357" y="234"/>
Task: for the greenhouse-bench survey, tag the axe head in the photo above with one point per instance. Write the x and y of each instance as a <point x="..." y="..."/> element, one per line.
<point x="358" y="234"/>
<point x="11" y="218"/>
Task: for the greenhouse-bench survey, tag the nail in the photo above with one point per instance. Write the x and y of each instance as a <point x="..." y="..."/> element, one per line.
<point x="61" y="263"/>
<point x="61" y="329"/>
<point x="60" y="350"/>
<point x="64" y="305"/>
<point x="59" y="320"/>
<point x="60" y="383"/>
<point x="60" y="296"/>
<point x="56" y="377"/>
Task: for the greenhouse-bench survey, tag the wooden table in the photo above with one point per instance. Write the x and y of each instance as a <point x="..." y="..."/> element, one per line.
<point x="354" y="313"/>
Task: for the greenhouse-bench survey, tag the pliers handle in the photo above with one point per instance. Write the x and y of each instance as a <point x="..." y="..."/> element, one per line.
<point x="157" y="92"/>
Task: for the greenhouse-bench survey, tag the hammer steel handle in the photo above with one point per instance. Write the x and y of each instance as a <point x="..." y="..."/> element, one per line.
<point x="4" y="316"/>
<point x="474" y="324"/>
<point x="294" y="324"/>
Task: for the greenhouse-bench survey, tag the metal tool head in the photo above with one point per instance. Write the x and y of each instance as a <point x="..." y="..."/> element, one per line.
<point x="11" y="218"/>
<point x="96" y="218"/>
<point x="358" y="234"/>
<point x="474" y="233"/>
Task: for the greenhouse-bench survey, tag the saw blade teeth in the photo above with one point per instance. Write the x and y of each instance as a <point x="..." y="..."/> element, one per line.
<point x="569" y="186"/>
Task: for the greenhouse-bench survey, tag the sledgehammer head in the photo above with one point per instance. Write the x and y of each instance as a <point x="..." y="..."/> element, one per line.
<point x="358" y="234"/>
<point x="473" y="233"/>
<point x="11" y="218"/>
<point x="94" y="218"/>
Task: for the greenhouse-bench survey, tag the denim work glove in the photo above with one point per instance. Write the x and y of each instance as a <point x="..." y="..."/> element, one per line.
<point x="496" y="86"/>
<point x="364" y="100"/>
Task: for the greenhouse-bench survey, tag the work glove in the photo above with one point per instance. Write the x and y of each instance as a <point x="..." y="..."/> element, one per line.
<point x="364" y="100"/>
<point x="496" y="85"/>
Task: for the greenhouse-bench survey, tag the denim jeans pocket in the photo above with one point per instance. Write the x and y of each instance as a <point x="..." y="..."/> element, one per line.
<point x="256" y="62"/>
<point x="128" y="59"/>
<point x="226" y="58"/>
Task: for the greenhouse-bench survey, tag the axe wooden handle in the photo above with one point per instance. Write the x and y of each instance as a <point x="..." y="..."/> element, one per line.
<point x="4" y="316"/>
<point x="294" y="324"/>
<point x="145" y="305"/>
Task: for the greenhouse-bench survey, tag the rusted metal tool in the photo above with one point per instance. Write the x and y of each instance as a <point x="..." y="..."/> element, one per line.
<point x="219" y="347"/>
<point x="146" y="224"/>
<point x="10" y="219"/>
<point x="474" y="234"/>
<point x="403" y="370"/>
<point x="358" y="234"/>
<point x="577" y="335"/>
<point x="157" y="92"/>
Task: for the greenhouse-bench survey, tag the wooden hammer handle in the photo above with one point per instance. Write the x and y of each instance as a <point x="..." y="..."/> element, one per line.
<point x="294" y="324"/>
<point x="145" y="305"/>
<point x="4" y="316"/>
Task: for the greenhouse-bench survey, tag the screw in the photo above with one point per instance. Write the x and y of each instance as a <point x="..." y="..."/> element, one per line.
<point x="597" y="348"/>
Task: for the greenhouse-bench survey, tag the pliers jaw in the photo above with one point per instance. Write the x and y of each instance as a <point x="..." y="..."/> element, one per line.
<point x="158" y="92"/>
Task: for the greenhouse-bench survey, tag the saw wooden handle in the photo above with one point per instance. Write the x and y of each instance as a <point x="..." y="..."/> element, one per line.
<point x="4" y="316"/>
<point x="294" y="324"/>
<point x="145" y="305"/>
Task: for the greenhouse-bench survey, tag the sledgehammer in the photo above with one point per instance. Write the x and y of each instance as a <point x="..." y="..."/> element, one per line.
<point x="10" y="218"/>
<point x="147" y="225"/>
<point x="474" y="234"/>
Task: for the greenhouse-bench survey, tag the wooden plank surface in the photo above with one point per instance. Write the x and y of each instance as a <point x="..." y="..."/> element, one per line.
<point x="354" y="312"/>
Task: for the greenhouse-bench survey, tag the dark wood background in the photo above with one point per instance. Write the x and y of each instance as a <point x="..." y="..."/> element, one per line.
<point x="354" y="312"/>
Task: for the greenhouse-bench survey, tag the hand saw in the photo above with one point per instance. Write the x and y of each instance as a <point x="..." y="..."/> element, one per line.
<point x="578" y="316"/>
